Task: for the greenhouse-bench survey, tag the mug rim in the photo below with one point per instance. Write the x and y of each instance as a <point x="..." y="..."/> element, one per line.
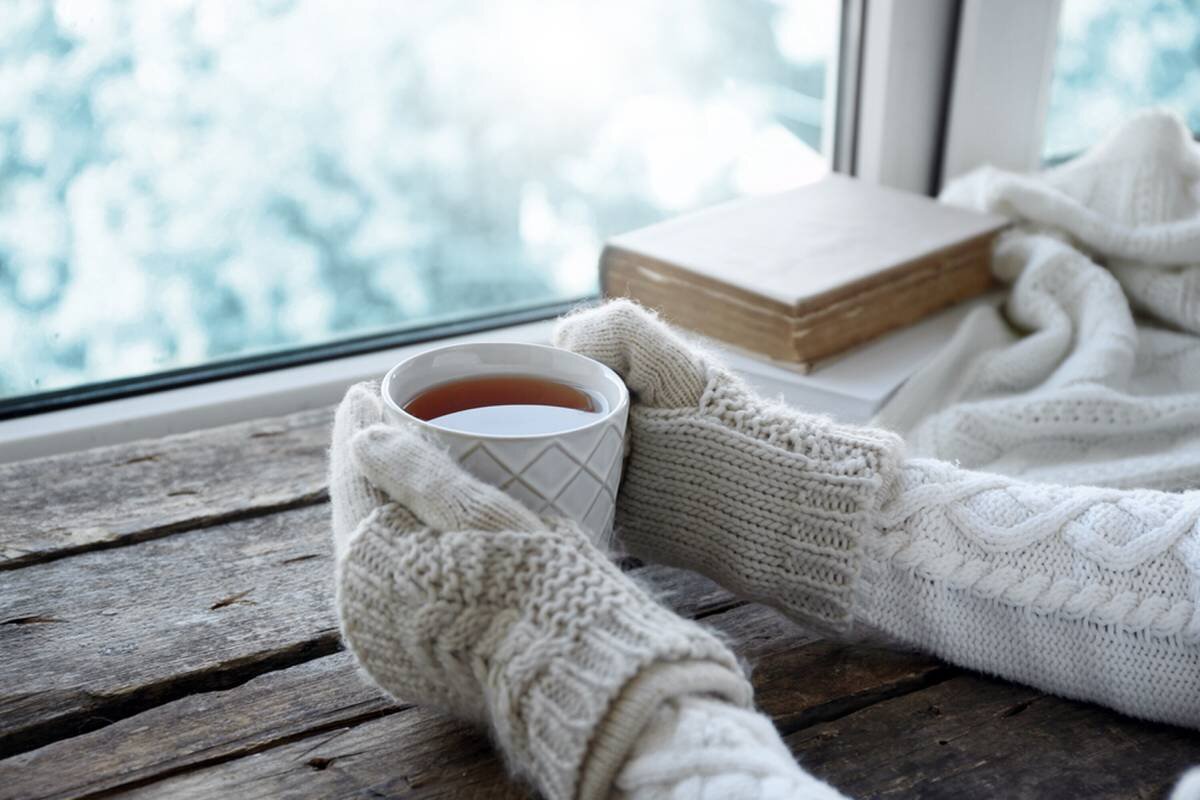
<point x="615" y="410"/>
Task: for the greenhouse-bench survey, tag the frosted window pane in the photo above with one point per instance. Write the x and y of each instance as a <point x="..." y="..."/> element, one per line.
<point x="1114" y="57"/>
<point x="189" y="180"/>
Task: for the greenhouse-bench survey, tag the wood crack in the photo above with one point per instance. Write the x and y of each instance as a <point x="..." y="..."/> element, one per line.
<point x="719" y="608"/>
<point x="239" y="597"/>
<point x="33" y="619"/>
<point x="840" y="707"/>
<point x="316" y="763"/>
<point x="159" y="532"/>
<point x="298" y="559"/>
<point x="139" y="459"/>
<point x="117" y="707"/>
<point x="1019" y="708"/>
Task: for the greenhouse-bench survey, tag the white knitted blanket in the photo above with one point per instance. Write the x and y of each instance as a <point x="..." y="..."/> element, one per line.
<point x="1091" y="373"/>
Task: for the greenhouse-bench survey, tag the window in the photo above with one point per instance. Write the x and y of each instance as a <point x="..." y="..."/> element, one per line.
<point x="188" y="182"/>
<point x="1114" y="57"/>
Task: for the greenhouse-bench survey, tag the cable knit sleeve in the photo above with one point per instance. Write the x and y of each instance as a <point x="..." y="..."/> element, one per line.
<point x="698" y="748"/>
<point x="1088" y="593"/>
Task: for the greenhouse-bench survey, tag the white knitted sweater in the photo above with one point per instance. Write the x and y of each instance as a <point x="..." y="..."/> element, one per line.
<point x="1076" y="391"/>
<point x="1090" y="593"/>
<point x="1069" y="385"/>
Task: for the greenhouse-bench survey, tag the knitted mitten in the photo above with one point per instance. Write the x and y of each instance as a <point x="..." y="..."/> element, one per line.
<point x="451" y="593"/>
<point x="772" y="503"/>
<point x="1084" y="592"/>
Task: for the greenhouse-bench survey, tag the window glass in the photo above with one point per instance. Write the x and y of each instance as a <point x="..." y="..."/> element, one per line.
<point x="183" y="181"/>
<point x="1114" y="57"/>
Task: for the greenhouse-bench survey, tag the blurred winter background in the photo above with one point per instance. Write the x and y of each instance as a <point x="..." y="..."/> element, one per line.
<point x="1115" y="56"/>
<point x="186" y="180"/>
<point x="189" y="180"/>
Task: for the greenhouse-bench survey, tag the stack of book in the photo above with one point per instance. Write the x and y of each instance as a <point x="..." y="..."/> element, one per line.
<point x="807" y="274"/>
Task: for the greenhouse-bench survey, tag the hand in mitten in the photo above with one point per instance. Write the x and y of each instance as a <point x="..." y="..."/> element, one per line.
<point x="1084" y="592"/>
<point x="772" y="503"/>
<point x="451" y="593"/>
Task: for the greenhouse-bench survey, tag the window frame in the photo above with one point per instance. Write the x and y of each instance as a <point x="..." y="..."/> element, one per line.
<point x="264" y="392"/>
<point x="254" y="363"/>
<point x="905" y="81"/>
<point x="30" y="425"/>
<point x="998" y="104"/>
<point x="924" y="90"/>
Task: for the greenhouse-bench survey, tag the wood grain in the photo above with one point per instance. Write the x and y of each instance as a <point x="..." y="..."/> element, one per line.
<point x="109" y="495"/>
<point x="417" y="753"/>
<point x="207" y="727"/>
<point x="272" y="709"/>
<point x="106" y="634"/>
<point x="975" y="737"/>
<point x="138" y="624"/>
<point x="413" y="752"/>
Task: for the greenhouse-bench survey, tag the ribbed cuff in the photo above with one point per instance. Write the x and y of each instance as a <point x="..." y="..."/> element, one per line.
<point x="552" y="724"/>
<point x="780" y="521"/>
<point x="638" y="702"/>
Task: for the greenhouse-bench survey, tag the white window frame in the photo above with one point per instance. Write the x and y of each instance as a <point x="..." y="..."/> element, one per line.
<point x="997" y="111"/>
<point x="925" y="89"/>
<point x="904" y="81"/>
<point x="941" y="93"/>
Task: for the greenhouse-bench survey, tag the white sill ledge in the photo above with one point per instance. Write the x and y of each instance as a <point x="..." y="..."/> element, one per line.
<point x="851" y="388"/>
<point x="222" y="402"/>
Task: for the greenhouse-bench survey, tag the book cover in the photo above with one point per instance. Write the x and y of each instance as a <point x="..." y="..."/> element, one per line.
<point x="805" y="274"/>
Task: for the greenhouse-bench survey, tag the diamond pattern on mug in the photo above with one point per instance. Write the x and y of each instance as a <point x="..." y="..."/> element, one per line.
<point x="600" y="517"/>
<point x="608" y="451"/>
<point x="581" y="444"/>
<point x="579" y="495"/>
<point x="612" y="482"/>
<point x="527" y="496"/>
<point x="481" y="463"/>
<point x="570" y="476"/>
<point x="551" y="470"/>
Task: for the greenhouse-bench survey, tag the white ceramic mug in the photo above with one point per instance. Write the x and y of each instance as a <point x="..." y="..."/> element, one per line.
<point x="572" y="473"/>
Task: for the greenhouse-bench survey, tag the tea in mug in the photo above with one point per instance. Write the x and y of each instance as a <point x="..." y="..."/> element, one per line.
<point x="513" y="405"/>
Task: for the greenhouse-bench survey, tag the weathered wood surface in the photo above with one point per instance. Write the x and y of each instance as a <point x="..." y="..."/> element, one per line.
<point x="166" y="629"/>
<point x="106" y="633"/>
<point x="285" y="704"/>
<point x="302" y="701"/>
<point x="418" y="753"/>
<point x="975" y="737"/>
<point x="103" y="631"/>
<point x="68" y="503"/>
<point x="409" y="751"/>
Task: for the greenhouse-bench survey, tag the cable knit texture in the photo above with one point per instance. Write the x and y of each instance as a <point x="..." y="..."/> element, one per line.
<point x="1086" y="592"/>
<point x="1067" y="385"/>
<point x="696" y="748"/>
<point x="454" y="595"/>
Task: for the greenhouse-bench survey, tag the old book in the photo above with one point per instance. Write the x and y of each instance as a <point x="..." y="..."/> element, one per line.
<point x="805" y="274"/>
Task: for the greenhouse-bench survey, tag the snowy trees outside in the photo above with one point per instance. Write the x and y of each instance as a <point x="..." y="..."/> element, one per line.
<point x="1116" y="56"/>
<point x="187" y="180"/>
